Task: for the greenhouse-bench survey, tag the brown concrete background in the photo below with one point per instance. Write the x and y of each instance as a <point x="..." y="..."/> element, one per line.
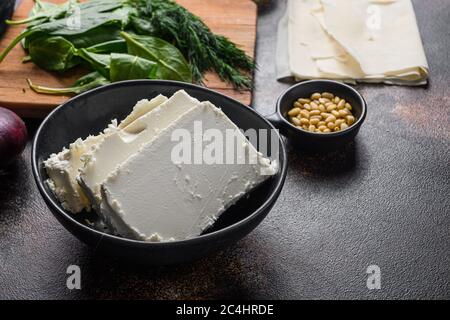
<point x="384" y="200"/>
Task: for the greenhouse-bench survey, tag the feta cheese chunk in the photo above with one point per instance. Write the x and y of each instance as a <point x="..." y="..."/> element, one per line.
<point x="118" y="147"/>
<point x="138" y="179"/>
<point x="152" y="197"/>
<point x="63" y="168"/>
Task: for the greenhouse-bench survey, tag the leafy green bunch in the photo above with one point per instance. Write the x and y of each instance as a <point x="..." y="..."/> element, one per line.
<point x="127" y="39"/>
<point x="205" y="50"/>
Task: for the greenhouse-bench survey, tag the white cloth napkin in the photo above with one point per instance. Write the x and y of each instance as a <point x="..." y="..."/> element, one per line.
<point x="351" y="40"/>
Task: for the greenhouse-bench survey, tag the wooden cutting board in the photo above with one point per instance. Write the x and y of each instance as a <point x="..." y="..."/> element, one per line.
<point x="235" y="19"/>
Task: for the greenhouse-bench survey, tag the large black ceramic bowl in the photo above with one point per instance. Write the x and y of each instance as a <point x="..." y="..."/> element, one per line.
<point x="313" y="141"/>
<point x="6" y="11"/>
<point x="90" y="112"/>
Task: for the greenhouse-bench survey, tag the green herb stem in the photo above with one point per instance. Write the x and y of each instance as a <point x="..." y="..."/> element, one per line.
<point x="19" y="38"/>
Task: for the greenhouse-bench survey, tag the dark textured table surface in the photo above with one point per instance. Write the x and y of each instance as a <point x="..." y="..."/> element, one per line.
<point x="383" y="201"/>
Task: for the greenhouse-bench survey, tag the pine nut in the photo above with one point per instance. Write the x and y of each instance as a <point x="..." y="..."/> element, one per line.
<point x="322" y="108"/>
<point x="304" y="121"/>
<point x="303" y="101"/>
<point x="343" y="113"/>
<point x="314" y="113"/>
<point x="327" y="95"/>
<point x="304" y="114"/>
<point x="322" y="128"/>
<point x="295" y="121"/>
<point x="314" y="121"/>
<point x="312" y="128"/>
<point x="294" y="112"/>
<point x="344" y="126"/>
<point x="314" y="106"/>
<point x="331" y="118"/>
<point x="331" y="107"/>
<point x="316" y="96"/>
<point x="335" y="113"/>
<point x="348" y="106"/>
<point x="341" y="104"/>
<point x="350" y="120"/>
<point x="331" y="125"/>
<point x="306" y="106"/>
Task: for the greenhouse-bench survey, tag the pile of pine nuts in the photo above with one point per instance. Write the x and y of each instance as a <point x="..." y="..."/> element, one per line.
<point x="321" y="112"/>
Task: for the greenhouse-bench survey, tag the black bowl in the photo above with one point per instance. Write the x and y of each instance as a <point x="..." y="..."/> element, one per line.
<point x="318" y="141"/>
<point x="6" y="11"/>
<point x="90" y="112"/>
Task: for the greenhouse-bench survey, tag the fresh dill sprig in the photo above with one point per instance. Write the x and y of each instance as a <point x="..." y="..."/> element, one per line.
<point x="204" y="50"/>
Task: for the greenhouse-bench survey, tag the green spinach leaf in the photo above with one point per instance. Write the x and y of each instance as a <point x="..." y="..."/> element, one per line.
<point x="88" y="78"/>
<point x="117" y="46"/>
<point x="53" y="53"/>
<point x="128" y="67"/>
<point x="171" y="63"/>
<point x="93" y="30"/>
<point x="85" y="83"/>
<point x="46" y="11"/>
<point x="43" y="12"/>
<point x="98" y="62"/>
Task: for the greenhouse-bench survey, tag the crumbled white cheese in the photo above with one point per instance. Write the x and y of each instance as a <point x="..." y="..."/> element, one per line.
<point x="62" y="169"/>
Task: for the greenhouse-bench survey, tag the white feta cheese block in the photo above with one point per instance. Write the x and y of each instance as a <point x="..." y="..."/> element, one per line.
<point x="154" y="198"/>
<point x="63" y="167"/>
<point x="118" y="147"/>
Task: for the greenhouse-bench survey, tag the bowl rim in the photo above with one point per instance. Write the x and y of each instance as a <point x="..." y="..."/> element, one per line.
<point x="56" y="207"/>
<point x="357" y="124"/>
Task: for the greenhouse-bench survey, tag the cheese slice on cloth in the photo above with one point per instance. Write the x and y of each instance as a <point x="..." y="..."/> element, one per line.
<point x="351" y="40"/>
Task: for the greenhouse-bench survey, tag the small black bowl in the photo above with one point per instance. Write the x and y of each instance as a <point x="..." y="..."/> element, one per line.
<point x="6" y="11"/>
<point x="90" y="112"/>
<point x="318" y="141"/>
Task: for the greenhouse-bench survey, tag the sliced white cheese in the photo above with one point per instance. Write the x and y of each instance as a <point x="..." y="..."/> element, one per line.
<point x="118" y="147"/>
<point x="152" y="197"/>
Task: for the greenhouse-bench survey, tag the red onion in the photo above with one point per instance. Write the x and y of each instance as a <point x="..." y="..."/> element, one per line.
<point x="13" y="136"/>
